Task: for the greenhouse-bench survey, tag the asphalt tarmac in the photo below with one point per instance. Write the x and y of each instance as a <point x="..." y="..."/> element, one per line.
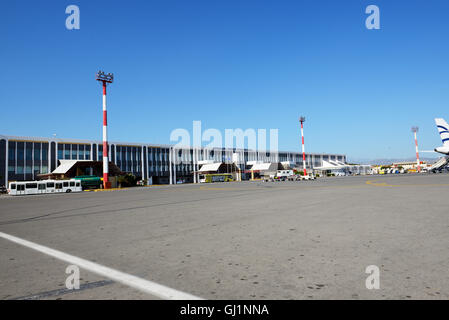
<point x="247" y="240"/>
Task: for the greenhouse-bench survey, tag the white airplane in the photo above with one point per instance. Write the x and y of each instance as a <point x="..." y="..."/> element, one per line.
<point x="443" y="129"/>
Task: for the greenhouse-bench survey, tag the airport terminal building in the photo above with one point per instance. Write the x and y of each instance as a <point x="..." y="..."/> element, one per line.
<point x="24" y="158"/>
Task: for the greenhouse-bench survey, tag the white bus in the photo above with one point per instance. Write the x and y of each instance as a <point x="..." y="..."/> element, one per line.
<point x="45" y="186"/>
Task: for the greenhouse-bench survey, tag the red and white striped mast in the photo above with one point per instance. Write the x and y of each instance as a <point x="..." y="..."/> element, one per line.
<point x="418" y="163"/>
<point x="302" y="119"/>
<point x="105" y="79"/>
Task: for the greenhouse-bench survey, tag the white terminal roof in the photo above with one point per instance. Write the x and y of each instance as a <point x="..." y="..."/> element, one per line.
<point x="118" y="143"/>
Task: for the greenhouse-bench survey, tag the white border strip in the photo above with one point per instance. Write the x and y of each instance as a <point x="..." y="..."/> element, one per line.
<point x="143" y="285"/>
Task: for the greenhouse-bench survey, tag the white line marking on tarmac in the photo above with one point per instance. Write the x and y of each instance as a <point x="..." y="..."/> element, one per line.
<point x="146" y="286"/>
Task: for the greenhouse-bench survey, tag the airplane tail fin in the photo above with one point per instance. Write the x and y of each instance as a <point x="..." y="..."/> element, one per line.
<point x="443" y="129"/>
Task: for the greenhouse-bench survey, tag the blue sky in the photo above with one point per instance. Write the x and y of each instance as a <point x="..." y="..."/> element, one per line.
<point x="231" y="64"/>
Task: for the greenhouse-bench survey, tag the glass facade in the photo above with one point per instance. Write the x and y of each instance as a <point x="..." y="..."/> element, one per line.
<point x="74" y="151"/>
<point x="26" y="159"/>
<point x="60" y="151"/>
<point x="100" y="152"/>
<point x="3" y="162"/>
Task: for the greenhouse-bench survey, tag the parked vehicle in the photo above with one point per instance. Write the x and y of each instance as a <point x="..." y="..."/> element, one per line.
<point x="218" y="177"/>
<point x="90" y="182"/>
<point x="45" y="186"/>
<point x="284" y="174"/>
<point x="308" y="177"/>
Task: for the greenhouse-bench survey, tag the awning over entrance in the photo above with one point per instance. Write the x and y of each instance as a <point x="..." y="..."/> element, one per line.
<point x="332" y="165"/>
<point x="73" y="168"/>
<point x="65" y="166"/>
<point x="270" y="166"/>
<point x="208" y="167"/>
<point x="218" y="167"/>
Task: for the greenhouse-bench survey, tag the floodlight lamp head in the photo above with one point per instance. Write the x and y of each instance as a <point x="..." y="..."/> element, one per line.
<point x="302" y="119"/>
<point x="415" y="129"/>
<point x="101" y="76"/>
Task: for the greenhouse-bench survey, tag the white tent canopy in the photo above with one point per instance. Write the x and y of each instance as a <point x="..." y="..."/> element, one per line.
<point x="65" y="166"/>
<point x="264" y="166"/>
<point x="332" y="165"/>
<point x="210" y="167"/>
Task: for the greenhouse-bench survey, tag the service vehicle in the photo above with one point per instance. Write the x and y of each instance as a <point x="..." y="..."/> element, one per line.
<point x="45" y="186"/>
<point x="216" y="177"/>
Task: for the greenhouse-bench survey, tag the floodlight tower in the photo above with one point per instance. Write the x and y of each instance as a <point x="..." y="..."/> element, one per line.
<point x="105" y="79"/>
<point x="302" y="119"/>
<point x="415" y="130"/>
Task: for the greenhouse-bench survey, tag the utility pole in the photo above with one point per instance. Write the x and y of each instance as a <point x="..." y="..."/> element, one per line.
<point x="415" y="130"/>
<point x="105" y="79"/>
